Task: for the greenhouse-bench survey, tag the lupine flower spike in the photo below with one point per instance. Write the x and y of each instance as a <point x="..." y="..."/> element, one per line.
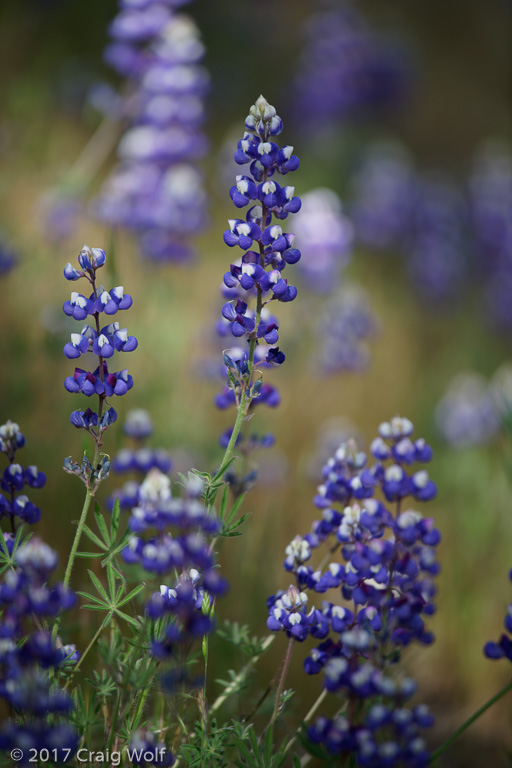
<point x="257" y="279"/>
<point x="381" y="589"/>
<point x="103" y="342"/>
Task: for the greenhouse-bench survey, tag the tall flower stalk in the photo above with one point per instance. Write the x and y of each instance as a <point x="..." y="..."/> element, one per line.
<point x="256" y="280"/>
<point x="103" y="342"/>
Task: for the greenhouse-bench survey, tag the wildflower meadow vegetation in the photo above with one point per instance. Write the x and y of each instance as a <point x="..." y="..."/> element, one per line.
<point x="256" y="478"/>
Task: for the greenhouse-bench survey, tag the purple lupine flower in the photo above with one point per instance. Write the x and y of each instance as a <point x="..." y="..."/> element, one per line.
<point x="503" y="647"/>
<point x="435" y="253"/>
<point x="491" y="202"/>
<point x="347" y="69"/>
<point x="258" y="277"/>
<point x="146" y="750"/>
<point x="173" y="535"/>
<point x="137" y="460"/>
<point x="467" y="413"/>
<point x="384" y="196"/>
<point x="384" y="577"/>
<point x="326" y="236"/>
<point x="103" y="342"/>
<point x="15" y="505"/>
<point x="345" y="327"/>
<point x="156" y="190"/>
<point x="27" y="653"/>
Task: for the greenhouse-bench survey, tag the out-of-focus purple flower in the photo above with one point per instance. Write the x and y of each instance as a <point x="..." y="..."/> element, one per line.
<point x="27" y="652"/>
<point x="384" y="194"/>
<point x="502" y="648"/>
<point x="490" y="189"/>
<point x="137" y="459"/>
<point x="156" y="189"/>
<point x="326" y="237"/>
<point x="60" y="210"/>
<point x="467" y="414"/>
<point x="347" y="69"/>
<point x="345" y="327"/>
<point x="16" y="506"/>
<point x="491" y="203"/>
<point x="8" y="258"/>
<point x="435" y="253"/>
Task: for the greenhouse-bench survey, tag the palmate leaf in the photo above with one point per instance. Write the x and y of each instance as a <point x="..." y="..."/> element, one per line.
<point x="8" y="560"/>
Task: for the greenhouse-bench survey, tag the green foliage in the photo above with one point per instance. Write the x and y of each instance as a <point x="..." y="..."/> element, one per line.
<point x="230" y="521"/>
<point x="116" y="599"/>
<point x="238" y="634"/>
<point x="258" y="753"/>
<point x="109" y="545"/>
<point x="8" y="560"/>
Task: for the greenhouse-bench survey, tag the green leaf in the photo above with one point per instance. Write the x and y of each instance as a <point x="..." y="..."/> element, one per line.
<point x="269" y="743"/>
<point x="116" y="516"/>
<point x="224" y="502"/>
<point x="111" y="582"/>
<point x="131" y="595"/>
<point x="223" y="469"/>
<point x="236" y="506"/>
<point x="87" y="554"/>
<point x="97" y="583"/>
<point x="100" y="521"/>
<point x="130" y="619"/>
<point x="95" y="539"/>
<point x="95" y="599"/>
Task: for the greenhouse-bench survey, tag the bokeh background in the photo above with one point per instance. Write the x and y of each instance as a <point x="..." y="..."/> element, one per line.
<point x="445" y="98"/>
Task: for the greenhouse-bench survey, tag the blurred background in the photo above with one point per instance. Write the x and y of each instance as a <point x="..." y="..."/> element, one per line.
<point x="402" y="111"/>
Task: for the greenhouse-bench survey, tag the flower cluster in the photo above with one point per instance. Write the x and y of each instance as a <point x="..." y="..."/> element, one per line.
<point x="467" y="413"/>
<point x="436" y="248"/>
<point x="186" y="551"/>
<point x="347" y="68"/>
<point x="384" y="193"/>
<point x="344" y="329"/>
<point x="383" y="589"/>
<point x="102" y="342"/>
<point x="267" y="252"/>
<point x="490" y="189"/>
<point x="156" y="189"/>
<point x="502" y="648"/>
<point x="16" y="505"/>
<point x="27" y="654"/>
<point x="138" y="459"/>
<point x="326" y="236"/>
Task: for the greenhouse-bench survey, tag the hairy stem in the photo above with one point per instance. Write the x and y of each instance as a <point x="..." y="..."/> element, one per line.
<point x="282" y="680"/>
<point x="78" y="535"/>
<point x="84" y="654"/>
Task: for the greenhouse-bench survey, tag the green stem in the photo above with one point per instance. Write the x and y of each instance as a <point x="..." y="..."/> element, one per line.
<point x="84" y="654"/>
<point x="236" y="430"/>
<point x="282" y="680"/>
<point x="470" y="721"/>
<point x="78" y="535"/>
<point x="233" y="686"/>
